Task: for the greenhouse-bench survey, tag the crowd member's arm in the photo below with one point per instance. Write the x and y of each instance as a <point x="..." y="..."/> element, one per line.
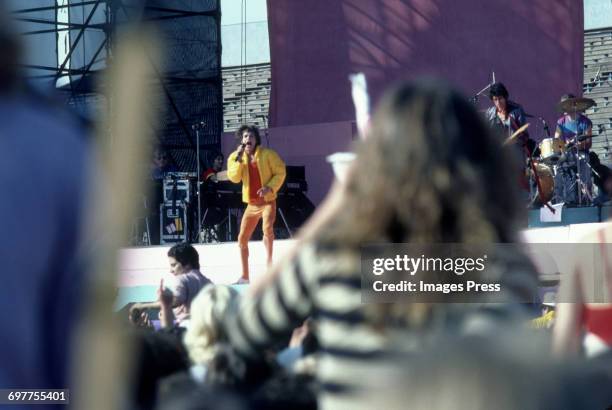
<point x="175" y="299"/>
<point x="166" y="299"/>
<point x="567" y="332"/>
<point x="272" y="313"/>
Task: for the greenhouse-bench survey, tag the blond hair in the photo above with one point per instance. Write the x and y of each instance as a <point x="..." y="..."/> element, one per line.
<point x="205" y="328"/>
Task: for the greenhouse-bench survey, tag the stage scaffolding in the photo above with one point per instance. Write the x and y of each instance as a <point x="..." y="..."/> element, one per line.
<point x="72" y="41"/>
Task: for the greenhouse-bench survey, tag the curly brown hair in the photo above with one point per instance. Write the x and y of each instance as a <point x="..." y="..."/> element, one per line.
<point x="429" y="171"/>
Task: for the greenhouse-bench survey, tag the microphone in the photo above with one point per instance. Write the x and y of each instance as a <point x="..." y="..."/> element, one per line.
<point x="545" y="126"/>
<point x="198" y="125"/>
<point x="240" y="151"/>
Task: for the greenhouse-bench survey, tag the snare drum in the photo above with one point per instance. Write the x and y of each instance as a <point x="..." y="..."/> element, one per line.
<point x="552" y="149"/>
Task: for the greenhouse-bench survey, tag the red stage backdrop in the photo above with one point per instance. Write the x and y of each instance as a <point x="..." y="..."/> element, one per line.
<point x="533" y="46"/>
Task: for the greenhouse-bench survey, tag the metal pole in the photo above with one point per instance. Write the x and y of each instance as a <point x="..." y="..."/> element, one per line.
<point x="197" y="130"/>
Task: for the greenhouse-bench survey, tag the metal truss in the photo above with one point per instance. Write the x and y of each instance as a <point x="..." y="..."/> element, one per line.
<point x="111" y="10"/>
<point x="112" y="7"/>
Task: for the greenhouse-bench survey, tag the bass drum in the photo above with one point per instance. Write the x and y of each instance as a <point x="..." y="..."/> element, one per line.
<point x="547" y="184"/>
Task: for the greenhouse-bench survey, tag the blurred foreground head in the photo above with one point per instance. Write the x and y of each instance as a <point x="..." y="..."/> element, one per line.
<point x="429" y="172"/>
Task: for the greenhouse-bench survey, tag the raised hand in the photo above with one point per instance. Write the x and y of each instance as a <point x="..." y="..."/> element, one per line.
<point x="164" y="295"/>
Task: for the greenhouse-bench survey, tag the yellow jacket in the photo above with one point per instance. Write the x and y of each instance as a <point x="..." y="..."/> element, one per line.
<point x="271" y="171"/>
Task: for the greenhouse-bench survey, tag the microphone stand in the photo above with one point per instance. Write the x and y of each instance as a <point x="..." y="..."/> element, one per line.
<point x="197" y="127"/>
<point x="545" y="126"/>
<point x="476" y="97"/>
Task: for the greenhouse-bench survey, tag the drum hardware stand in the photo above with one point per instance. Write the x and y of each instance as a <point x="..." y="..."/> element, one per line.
<point x="199" y="232"/>
<point x="581" y="186"/>
<point x="601" y="128"/>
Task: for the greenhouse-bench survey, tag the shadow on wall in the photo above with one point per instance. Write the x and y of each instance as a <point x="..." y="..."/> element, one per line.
<point x="534" y="47"/>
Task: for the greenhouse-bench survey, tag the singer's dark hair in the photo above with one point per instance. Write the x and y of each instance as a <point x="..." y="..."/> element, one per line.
<point x="251" y="128"/>
<point x="498" y="90"/>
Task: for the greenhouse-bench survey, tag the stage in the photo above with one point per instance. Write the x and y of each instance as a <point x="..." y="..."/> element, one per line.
<point x="572" y="216"/>
<point x="140" y="269"/>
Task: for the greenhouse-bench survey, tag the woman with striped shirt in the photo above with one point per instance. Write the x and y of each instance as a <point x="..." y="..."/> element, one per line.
<point x="429" y="172"/>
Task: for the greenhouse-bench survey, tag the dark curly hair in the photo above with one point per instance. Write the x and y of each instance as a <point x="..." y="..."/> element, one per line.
<point x="498" y="90"/>
<point x="250" y="128"/>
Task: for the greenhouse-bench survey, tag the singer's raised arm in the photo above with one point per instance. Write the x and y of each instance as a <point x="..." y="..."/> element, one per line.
<point x="234" y="168"/>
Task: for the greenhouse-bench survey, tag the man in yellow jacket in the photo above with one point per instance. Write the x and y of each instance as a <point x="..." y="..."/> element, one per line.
<point x="262" y="173"/>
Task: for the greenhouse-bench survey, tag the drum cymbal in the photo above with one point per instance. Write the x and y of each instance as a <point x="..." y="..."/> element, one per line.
<point x="516" y="133"/>
<point x="575" y="105"/>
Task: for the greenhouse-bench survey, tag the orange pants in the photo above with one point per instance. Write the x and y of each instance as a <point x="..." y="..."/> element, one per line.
<point x="252" y="214"/>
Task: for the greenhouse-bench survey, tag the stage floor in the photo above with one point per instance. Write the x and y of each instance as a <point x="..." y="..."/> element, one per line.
<point x="140" y="269"/>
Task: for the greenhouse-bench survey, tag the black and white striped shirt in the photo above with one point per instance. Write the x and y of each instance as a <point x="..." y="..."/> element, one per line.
<point x="326" y="285"/>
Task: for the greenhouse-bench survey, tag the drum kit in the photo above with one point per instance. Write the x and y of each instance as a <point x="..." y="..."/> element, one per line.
<point x="561" y="172"/>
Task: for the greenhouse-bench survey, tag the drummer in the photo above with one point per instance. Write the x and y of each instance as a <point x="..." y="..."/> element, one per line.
<point x="571" y="127"/>
<point x="573" y="122"/>
<point x="507" y="116"/>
